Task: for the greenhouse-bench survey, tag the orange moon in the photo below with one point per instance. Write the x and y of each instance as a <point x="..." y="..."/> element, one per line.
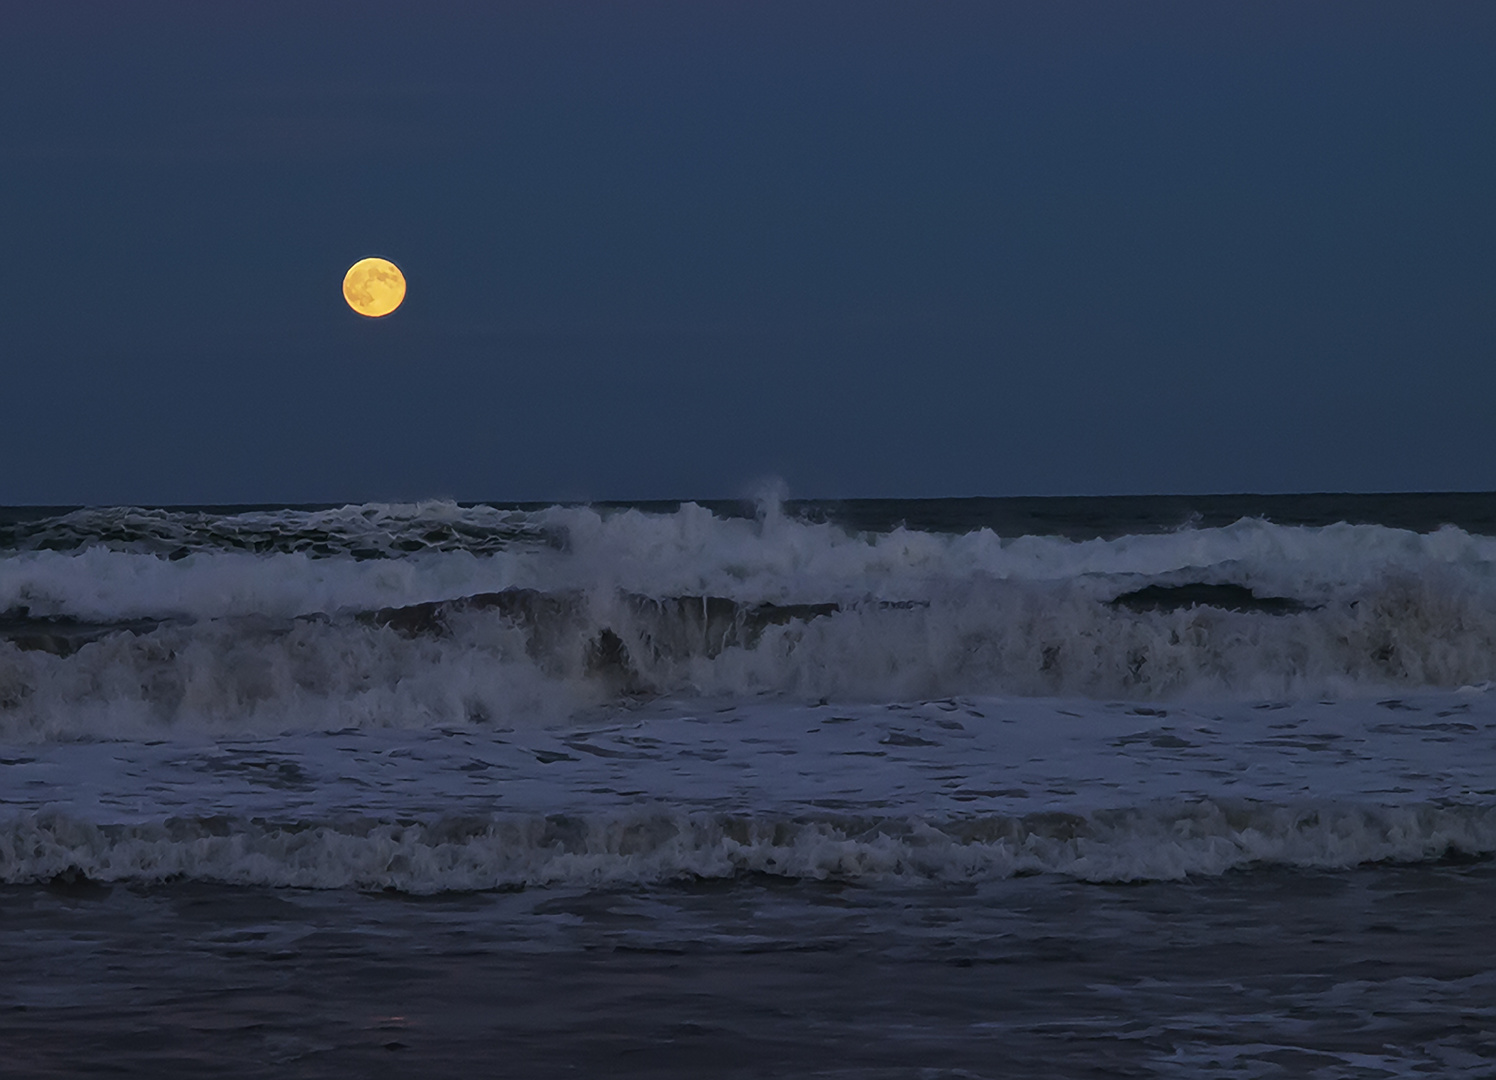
<point x="374" y="287"/>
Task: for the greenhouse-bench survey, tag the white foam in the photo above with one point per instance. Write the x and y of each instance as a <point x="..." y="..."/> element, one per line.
<point x="242" y="675"/>
<point x="467" y="854"/>
<point x="229" y="678"/>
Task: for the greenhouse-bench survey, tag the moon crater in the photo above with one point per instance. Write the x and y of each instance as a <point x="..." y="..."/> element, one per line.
<point x="374" y="287"/>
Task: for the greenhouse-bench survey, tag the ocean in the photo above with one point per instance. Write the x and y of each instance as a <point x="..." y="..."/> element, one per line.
<point x="1073" y="787"/>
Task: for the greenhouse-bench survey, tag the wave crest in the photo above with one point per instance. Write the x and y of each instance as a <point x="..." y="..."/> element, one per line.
<point x="469" y="854"/>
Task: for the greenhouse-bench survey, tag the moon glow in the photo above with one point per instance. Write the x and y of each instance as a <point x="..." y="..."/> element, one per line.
<point x="374" y="287"/>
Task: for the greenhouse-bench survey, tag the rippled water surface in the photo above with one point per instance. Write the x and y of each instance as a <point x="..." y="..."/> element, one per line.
<point x="1385" y="971"/>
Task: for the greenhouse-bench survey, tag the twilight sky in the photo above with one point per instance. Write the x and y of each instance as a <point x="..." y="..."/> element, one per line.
<point x="669" y="250"/>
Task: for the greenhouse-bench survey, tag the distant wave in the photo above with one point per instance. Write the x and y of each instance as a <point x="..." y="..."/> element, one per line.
<point x="259" y="567"/>
<point x="397" y="530"/>
<point x="1152" y="843"/>
<point x="370" y="531"/>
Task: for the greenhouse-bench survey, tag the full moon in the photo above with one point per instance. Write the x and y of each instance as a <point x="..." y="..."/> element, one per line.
<point x="374" y="287"/>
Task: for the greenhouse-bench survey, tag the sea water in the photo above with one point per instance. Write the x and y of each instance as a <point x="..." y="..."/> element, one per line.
<point x="1073" y="787"/>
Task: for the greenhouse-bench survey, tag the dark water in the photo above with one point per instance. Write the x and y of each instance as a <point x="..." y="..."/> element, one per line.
<point x="1087" y="517"/>
<point x="1111" y="516"/>
<point x="1385" y="971"/>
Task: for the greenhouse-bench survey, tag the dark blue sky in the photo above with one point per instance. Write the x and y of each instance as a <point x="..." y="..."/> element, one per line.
<point x="668" y="250"/>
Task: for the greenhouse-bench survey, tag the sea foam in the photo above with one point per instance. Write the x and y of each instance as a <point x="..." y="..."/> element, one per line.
<point x="473" y="854"/>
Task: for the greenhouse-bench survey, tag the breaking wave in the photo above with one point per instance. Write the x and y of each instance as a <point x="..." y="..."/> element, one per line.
<point x="578" y="607"/>
<point x="469" y="854"/>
